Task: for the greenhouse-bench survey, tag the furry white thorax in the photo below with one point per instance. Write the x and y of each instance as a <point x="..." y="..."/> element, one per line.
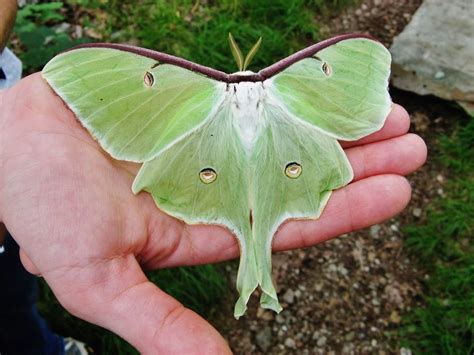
<point x="247" y="100"/>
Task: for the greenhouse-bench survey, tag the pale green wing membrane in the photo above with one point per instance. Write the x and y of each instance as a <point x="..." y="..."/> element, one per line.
<point x="295" y="169"/>
<point x="342" y="89"/>
<point x="204" y="179"/>
<point x="246" y="155"/>
<point x="133" y="105"/>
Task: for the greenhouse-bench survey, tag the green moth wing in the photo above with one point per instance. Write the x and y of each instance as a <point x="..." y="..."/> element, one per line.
<point x="133" y="105"/>
<point x="199" y="181"/>
<point x="341" y="89"/>
<point x="247" y="151"/>
<point x="295" y="167"/>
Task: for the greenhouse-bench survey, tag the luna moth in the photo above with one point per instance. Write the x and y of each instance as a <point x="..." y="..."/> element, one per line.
<point x="247" y="150"/>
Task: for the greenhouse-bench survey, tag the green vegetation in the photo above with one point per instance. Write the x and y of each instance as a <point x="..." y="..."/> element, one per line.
<point x="39" y="41"/>
<point x="195" y="30"/>
<point x="444" y="244"/>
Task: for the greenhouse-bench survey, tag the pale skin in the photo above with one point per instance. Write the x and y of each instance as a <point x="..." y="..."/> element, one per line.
<point x="70" y="208"/>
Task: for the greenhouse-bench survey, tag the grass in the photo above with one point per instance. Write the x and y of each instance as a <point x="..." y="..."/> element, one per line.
<point x="444" y="245"/>
<point x="196" y="30"/>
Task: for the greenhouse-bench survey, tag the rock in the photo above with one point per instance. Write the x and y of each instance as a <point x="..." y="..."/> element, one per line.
<point x="417" y="212"/>
<point x="434" y="53"/>
<point x="264" y="314"/>
<point x="289" y="296"/>
<point x="290" y="343"/>
<point x="374" y="230"/>
<point x="395" y="317"/>
<point x="263" y="338"/>
<point x="349" y="336"/>
<point x="64" y="27"/>
<point x="279" y="319"/>
<point x="393" y="294"/>
<point x="322" y="341"/>
<point x="405" y="351"/>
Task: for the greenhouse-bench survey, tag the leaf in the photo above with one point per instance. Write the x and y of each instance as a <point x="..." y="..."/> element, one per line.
<point x="239" y="59"/>
<point x="252" y="53"/>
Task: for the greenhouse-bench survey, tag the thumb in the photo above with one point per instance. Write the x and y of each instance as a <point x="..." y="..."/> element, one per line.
<point x="117" y="295"/>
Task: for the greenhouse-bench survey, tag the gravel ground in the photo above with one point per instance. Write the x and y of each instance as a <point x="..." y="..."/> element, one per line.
<point x="347" y="295"/>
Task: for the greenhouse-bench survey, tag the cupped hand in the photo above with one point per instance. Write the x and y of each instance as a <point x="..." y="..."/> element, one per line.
<point x="71" y="209"/>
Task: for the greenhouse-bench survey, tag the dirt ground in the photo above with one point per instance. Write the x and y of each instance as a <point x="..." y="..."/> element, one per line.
<point x="347" y="295"/>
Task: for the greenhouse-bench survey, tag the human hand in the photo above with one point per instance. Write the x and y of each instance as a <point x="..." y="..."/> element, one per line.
<point x="69" y="206"/>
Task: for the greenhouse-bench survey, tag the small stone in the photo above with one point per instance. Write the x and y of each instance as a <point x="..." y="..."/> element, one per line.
<point x="394" y="227"/>
<point x="342" y="270"/>
<point x="373" y="343"/>
<point x="290" y="343"/>
<point x="405" y="351"/>
<point x="264" y="314"/>
<point x="297" y="293"/>
<point x="375" y="302"/>
<point x="263" y="338"/>
<point x="440" y="178"/>
<point x="439" y="75"/>
<point x="374" y="231"/>
<point x="322" y="341"/>
<point x="417" y="212"/>
<point x="63" y="28"/>
<point x="279" y="319"/>
<point x="349" y="336"/>
<point x="289" y="296"/>
<point x="395" y="317"/>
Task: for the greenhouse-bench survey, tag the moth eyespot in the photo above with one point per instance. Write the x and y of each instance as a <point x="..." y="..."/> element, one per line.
<point x="207" y="175"/>
<point x="326" y="68"/>
<point x="148" y="79"/>
<point x="293" y="170"/>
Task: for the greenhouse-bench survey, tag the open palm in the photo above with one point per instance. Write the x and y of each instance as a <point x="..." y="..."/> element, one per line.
<point x="70" y="208"/>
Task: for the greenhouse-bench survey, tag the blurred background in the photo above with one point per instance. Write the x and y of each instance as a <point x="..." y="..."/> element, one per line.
<point x="405" y="286"/>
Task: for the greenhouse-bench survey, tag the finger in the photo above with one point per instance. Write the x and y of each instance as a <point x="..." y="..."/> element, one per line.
<point x="28" y="264"/>
<point x="401" y="155"/>
<point x="358" y="205"/>
<point x="115" y="294"/>
<point x="396" y="124"/>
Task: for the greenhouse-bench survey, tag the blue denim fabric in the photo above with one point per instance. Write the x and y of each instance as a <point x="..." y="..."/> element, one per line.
<point x="10" y="69"/>
<point x="22" y="330"/>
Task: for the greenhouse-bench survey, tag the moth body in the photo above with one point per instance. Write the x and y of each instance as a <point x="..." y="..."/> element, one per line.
<point x="246" y="104"/>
